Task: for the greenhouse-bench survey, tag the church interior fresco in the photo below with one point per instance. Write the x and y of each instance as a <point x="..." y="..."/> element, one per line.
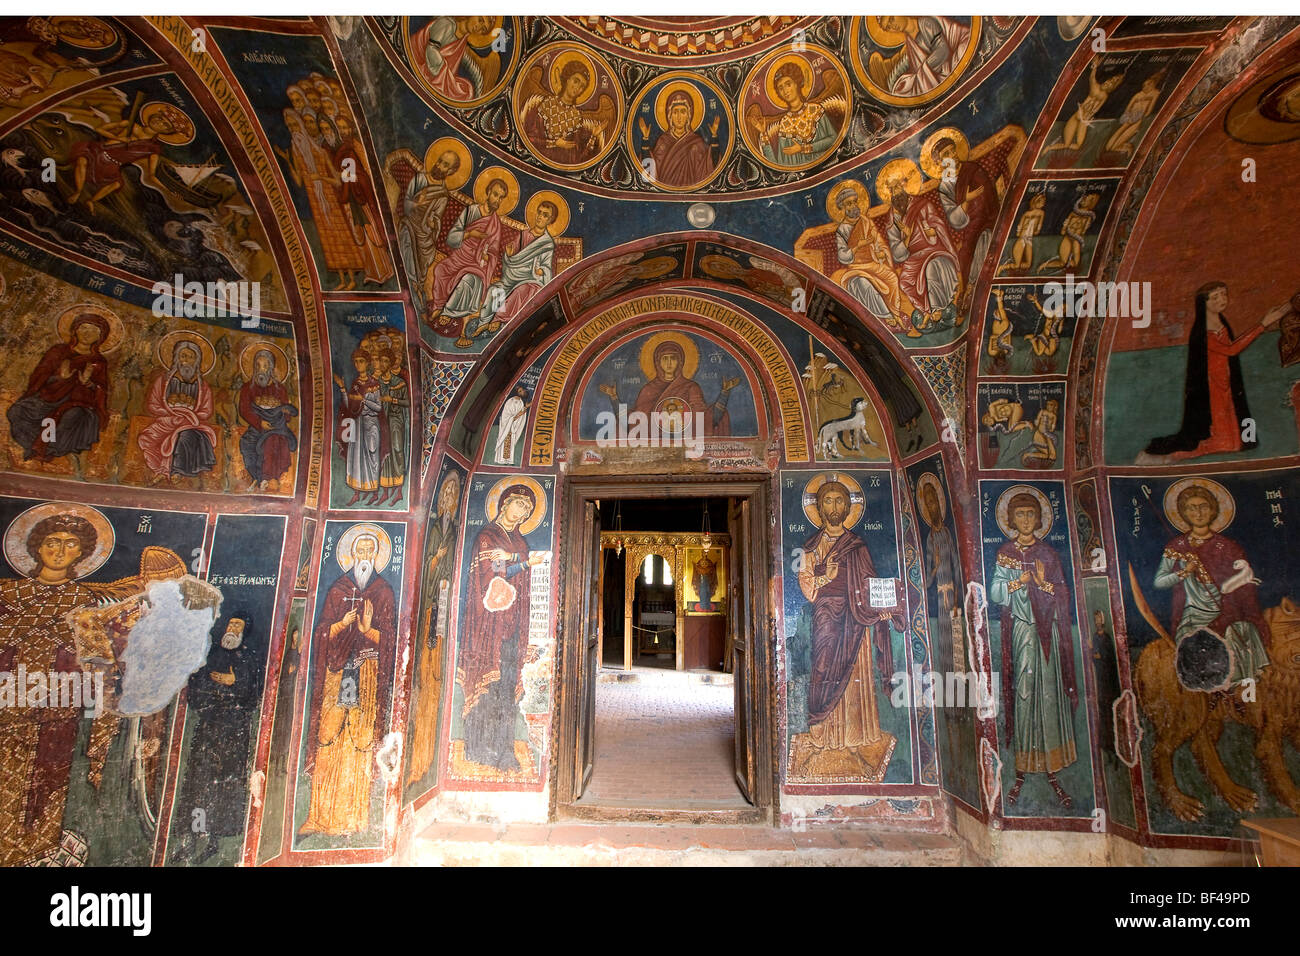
<point x="311" y="321"/>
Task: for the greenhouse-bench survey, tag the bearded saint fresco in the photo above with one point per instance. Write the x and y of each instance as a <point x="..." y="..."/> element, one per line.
<point x="353" y="650"/>
<point x="850" y="658"/>
<point x="268" y="443"/>
<point x="180" y="440"/>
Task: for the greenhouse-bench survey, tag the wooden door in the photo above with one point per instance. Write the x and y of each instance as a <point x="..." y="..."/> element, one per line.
<point x="740" y="630"/>
<point x="588" y="639"/>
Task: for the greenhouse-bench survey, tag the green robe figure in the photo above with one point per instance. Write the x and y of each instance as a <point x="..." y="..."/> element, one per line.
<point x="395" y="399"/>
<point x="1037" y="657"/>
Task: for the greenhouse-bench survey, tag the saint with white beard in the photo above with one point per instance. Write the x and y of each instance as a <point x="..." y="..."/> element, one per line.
<point x="352" y="669"/>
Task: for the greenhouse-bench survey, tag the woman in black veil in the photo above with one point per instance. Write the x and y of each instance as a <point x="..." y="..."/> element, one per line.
<point x="1214" y="397"/>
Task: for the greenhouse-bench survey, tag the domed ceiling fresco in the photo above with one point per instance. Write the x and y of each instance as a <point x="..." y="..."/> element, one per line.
<point x="297" y="307"/>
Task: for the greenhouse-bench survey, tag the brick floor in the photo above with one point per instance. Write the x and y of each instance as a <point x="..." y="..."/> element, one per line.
<point x="664" y="740"/>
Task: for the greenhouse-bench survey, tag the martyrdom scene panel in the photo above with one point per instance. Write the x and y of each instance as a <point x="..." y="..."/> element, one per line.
<point x="1206" y="565"/>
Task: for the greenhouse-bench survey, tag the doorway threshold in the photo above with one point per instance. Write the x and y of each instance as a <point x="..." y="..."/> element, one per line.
<point x="607" y="812"/>
<point x="641" y="674"/>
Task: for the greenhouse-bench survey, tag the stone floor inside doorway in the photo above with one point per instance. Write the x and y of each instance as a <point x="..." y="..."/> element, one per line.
<point x="665" y="750"/>
<point x="664" y="740"/>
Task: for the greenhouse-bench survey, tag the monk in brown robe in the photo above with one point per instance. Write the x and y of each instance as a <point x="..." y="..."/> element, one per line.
<point x="353" y="650"/>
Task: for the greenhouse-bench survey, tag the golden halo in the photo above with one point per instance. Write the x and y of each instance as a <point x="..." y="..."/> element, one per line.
<point x="82" y="43"/>
<point x="928" y="163"/>
<point x="165" y="352"/>
<point x="491" y="506"/>
<point x="563" y="60"/>
<point x="1257" y="116"/>
<point x="697" y="103"/>
<point x="485" y="39"/>
<point x="690" y="354"/>
<point x="769" y="81"/>
<point x="868" y="67"/>
<point x="506" y="176"/>
<point x="881" y="36"/>
<point x="557" y="227"/>
<point x="857" y="500"/>
<point x="115" y="331"/>
<point x="894" y="168"/>
<point x="1045" y="506"/>
<point x="721" y="267"/>
<point x="249" y="353"/>
<point x="864" y="198"/>
<point x="1227" y="506"/>
<point x="450" y="477"/>
<point x="185" y="126"/>
<point x="15" y="540"/>
<point x="439" y="146"/>
<point x="343" y="553"/>
<point x="928" y="480"/>
<point x="506" y="61"/>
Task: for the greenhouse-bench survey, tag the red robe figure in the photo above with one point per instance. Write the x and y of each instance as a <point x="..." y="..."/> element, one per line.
<point x="460" y="281"/>
<point x="495" y="633"/>
<point x="267" y="444"/>
<point x="842" y="611"/>
<point x="671" y="392"/>
<point x="70" y="386"/>
<point x="682" y="158"/>
<point x="180" y="441"/>
<point x="1214" y="389"/>
<point x="357" y="196"/>
<point x="922" y="249"/>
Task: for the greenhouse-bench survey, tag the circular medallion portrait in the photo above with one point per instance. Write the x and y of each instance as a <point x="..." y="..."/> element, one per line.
<point x="463" y="61"/>
<point x="680" y="131"/>
<point x="568" y="106"/>
<point x="908" y="61"/>
<point x="796" y="107"/>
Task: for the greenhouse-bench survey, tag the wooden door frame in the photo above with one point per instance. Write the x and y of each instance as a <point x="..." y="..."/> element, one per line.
<point x="758" y="575"/>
